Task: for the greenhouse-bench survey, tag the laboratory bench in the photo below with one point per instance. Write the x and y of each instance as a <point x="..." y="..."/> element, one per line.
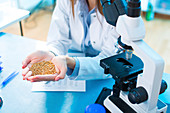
<point x="18" y="96"/>
<point x="9" y="16"/>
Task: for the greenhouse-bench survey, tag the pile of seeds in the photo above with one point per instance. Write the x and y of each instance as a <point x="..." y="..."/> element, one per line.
<point x="43" y="68"/>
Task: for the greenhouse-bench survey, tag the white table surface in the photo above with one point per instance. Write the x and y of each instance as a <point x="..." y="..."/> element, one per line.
<point x="8" y="16"/>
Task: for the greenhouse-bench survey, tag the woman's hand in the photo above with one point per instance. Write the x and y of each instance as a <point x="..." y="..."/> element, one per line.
<point x="61" y="63"/>
<point x="37" y="57"/>
<point x="34" y="58"/>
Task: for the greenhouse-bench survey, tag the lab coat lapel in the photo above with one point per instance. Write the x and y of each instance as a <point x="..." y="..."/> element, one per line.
<point x="82" y="10"/>
<point x="77" y="24"/>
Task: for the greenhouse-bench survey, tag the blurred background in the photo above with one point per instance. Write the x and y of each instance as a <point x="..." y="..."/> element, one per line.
<point x="155" y="13"/>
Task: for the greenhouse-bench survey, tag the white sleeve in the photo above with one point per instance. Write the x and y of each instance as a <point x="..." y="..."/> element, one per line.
<point x="90" y="66"/>
<point x="59" y="40"/>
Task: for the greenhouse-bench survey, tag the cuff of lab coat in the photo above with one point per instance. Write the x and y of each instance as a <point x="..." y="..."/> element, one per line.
<point x="90" y="69"/>
<point x="53" y="53"/>
<point x="72" y="74"/>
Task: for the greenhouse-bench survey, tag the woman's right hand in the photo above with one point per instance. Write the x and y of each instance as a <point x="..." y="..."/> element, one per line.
<point x="34" y="58"/>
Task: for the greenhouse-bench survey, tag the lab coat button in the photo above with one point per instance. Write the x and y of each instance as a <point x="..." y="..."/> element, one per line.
<point x="94" y="15"/>
<point x="94" y="42"/>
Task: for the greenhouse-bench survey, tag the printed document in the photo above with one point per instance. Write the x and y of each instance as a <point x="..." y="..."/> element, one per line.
<point x="61" y="85"/>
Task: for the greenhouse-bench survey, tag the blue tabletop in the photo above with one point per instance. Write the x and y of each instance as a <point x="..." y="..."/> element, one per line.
<point x="17" y="95"/>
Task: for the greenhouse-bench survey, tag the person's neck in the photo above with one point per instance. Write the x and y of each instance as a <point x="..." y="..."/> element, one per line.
<point x="91" y="4"/>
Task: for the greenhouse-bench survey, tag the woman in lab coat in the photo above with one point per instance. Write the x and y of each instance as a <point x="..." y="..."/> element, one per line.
<point x="77" y="25"/>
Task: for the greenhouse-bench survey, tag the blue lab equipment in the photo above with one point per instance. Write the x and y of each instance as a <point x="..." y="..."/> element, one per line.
<point x="95" y="108"/>
<point x="8" y="79"/>
<point x="1" y="68"/>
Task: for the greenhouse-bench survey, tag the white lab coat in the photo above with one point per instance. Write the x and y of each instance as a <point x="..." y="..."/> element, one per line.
<point x="67" y="32"/>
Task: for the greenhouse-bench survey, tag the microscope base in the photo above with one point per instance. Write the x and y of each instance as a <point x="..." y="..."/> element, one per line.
<point x="118" y="105"/>
<point x="105" y="99"/>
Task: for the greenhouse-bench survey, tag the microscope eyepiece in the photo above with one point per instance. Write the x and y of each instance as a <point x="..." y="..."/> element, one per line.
<point x="112" y="9"/>
<point x="134" y="8"/>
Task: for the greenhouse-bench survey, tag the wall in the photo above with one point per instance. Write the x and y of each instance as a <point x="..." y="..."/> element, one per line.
<point x="6" y="3"/>
<point x="29" y="4"/>
<point x="24" y="4"/>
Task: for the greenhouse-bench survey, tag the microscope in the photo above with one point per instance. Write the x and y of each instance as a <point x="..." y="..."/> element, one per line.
<point x="138" y="77"/>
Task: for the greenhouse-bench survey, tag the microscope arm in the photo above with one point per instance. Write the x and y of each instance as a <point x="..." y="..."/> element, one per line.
<point x="132" y="32"/>
<point x="152" y="72"/>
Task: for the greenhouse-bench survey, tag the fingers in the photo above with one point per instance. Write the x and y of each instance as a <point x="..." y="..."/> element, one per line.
<point x="25" y="71"/>
<point x="27" y="75"/>
<point x="29" y="65"/>
<point x="32" y="58"/>
<point x="38" y="78"/>
<point x="62" y="74"/>
<point x="26" y="62"/>
<point x="56" y="68"/>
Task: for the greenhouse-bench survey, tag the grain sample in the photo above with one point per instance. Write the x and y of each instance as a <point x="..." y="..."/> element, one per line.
<point x="43" y="68"/>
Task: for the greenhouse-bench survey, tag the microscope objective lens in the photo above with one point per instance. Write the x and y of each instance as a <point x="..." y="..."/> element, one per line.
<point x="129" y="54"/>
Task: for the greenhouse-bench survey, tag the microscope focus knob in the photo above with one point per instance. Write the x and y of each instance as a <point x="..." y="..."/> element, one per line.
<point x="164" y="86"/>
<point x="138" y="95"/>
<point x="1" y="102"/>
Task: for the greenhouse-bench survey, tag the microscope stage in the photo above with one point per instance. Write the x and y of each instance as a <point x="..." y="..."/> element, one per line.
<point x="120" y="68"/>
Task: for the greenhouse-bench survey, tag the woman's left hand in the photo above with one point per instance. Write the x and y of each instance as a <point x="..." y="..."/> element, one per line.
<point x="60" y="63"/>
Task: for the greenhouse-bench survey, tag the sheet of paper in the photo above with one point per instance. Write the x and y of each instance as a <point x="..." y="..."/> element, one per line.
<point x="61" y="85"/>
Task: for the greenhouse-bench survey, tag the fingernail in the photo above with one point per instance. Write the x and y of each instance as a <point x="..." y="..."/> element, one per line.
<point x="23" y="67"/>
<point x="57" y="78"/>
<point x="23" y="78"/>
